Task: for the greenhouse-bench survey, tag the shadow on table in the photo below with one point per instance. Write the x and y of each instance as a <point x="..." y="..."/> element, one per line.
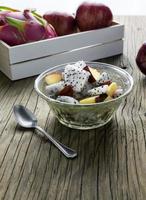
<point x="89" y="143"/>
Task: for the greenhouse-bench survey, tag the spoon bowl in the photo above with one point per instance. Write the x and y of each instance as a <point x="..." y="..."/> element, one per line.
<point x="24" y="117"/>
<point x="27" y="119"/>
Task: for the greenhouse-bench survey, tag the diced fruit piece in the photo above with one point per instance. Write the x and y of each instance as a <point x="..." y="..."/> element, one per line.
<point x="103" y="78"/>
<point x="80" y="64"/>
<point x="94" y="99"/>
<point x="55" y="88"/>
<point x="105" y="83"/>
<point x="55" y="77"/>
<point x="112" y="88"/>
<point x="75" y="77"/>
<point x="67" y="99"/>
<point x="89" y="100"/>
<point x="118" y="93"/>
<point x="88" y="86"/>
<point x="98" y="90"/>
<point x="78" y="95"/>
<point x="108" y="98"/>
<point x="67" y="91"/>
<point x="101" y="98"/>
<point x="94" y="74"/>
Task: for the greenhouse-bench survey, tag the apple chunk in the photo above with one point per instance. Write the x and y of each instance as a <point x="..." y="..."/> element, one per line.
<point x="101" y="98"/>
<point x="94" y="74"/>
<point x="89" y="100"/>
<point x="112" y="88"/>
<point x="94" y="99"/>
<point x="54" y="77"/>
<point x="67" y="91"/>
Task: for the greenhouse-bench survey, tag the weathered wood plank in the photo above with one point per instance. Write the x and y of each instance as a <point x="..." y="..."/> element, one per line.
<point x="111" y="160"/>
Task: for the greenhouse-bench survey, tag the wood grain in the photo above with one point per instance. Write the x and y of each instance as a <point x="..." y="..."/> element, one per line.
<point x="111" y="162"/>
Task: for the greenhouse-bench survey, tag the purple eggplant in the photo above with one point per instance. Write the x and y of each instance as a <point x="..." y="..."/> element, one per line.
<point x="11" y="35"/>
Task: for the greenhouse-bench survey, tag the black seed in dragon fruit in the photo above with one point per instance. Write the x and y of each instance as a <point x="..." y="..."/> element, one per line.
<point x="67" y="99"/>
<point x="98" y="90"/>
<point x="54" y="89"/>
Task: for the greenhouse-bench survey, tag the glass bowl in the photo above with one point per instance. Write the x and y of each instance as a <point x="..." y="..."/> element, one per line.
<point x="87" y="116"/>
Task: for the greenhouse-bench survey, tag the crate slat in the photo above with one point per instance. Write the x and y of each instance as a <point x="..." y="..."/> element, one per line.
<point x="33" y="58"/>
<point x="65" y="43"/>
<point x="34" y="67"/>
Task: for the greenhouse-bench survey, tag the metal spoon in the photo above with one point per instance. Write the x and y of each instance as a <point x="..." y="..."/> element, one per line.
<point x="26" y="119"/>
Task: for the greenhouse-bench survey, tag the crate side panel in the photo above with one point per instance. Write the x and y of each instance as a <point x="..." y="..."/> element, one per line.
<point x="35" y="67"/>
<point x="4" y="60"/>
<point x="65" y="43"/>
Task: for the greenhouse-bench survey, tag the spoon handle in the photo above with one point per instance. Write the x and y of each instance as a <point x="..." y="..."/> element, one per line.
<point x="68" y="152"/>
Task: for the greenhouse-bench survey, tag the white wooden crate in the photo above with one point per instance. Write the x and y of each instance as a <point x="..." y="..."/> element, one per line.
<point x="33" y="58"/>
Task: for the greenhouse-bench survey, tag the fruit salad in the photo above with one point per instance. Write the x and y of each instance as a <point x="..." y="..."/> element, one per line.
<point x="81" y="84"/>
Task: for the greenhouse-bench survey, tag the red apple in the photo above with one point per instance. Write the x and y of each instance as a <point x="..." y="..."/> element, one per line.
<point x="63" y="23"/>
<point x="91" y="16"/>
<point x="141" y="58"/>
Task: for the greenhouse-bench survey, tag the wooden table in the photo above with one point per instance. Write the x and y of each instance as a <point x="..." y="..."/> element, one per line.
<point x="111" y="162"/>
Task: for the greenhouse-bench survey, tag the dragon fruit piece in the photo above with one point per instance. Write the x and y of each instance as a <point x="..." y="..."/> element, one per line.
<point x="75" y="77"/>
<point x="67" y="99"/>
<point x="103" y="78"/>
<point x="78" y="95"/>
<point x="88" y="86"/>
<point x="55" y="88"/>
<point x="98" y="90"/>
<point x="118" y="93"/>
<point x="80" y="64"/>
<point x="84" y="93"/>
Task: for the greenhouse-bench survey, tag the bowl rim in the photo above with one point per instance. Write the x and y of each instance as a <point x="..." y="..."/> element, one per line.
<point x="42" y="75"/>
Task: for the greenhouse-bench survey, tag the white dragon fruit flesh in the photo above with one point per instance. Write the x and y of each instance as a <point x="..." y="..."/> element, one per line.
<point x="76" y="77"/>
<point x="118" y="93"/>
<point x="84" y="93"/>
<point x="88" y="86"/>
<point x="103" y="78"/>
<point x="67" y="99"/>
<point x="55" y="88"/>
<point x="80" y="64"/>
<point x="98" y="90"/>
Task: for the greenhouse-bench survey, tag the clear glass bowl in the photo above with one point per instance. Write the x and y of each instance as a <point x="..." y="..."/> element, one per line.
<point x="87" y="116"/>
